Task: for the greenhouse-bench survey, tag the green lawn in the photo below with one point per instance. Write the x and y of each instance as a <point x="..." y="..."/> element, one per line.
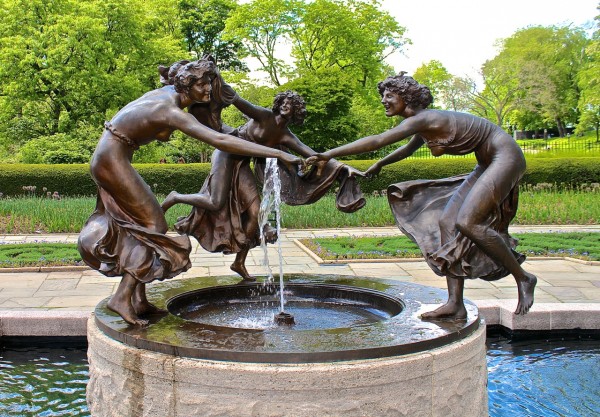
<point x="576" y="245"/>
<point x="38" y="254"/>
<point x="542" y="204"/>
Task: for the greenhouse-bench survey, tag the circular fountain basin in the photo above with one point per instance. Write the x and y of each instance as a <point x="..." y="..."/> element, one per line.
<point x="314" y="307"/>
<point x="358" y="347"/>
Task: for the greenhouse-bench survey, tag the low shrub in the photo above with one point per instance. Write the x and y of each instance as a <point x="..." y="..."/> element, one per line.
<point x="75" y="179"/>
<point x="565" y="172"/>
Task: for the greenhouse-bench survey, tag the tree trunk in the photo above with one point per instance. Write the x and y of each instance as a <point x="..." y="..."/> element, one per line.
<point x="561" y="128"/>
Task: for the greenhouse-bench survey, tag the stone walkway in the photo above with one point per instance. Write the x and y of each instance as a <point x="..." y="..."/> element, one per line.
<point x="80" y="289"/>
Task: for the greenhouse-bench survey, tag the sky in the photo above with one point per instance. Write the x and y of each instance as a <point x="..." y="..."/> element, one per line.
<point x="462" y="34"/>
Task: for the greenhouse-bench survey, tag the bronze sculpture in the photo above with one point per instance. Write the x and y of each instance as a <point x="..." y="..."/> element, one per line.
<point x="225" y="214"/>
<point x="460" y="223"/>
<point x="126" y="234"/>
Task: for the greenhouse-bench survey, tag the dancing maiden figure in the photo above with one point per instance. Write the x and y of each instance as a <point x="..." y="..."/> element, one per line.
<point x="459" y="223"/>
<point x="225" y="214"/>
<point x="126" y="234"/>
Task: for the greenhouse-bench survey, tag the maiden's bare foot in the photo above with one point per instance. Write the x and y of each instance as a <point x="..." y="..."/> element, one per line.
<point x="126" y="311"/>
<point x="453" y="311"/>
<point x="146" y="308"/>
<point x="169" y="201"/>
<point x="526" y="289"/>
<point x="242" y="271"/>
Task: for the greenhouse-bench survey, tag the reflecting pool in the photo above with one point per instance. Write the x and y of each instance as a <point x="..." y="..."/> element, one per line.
<point x="46" y="379"/>
<point x="542" y="377"/>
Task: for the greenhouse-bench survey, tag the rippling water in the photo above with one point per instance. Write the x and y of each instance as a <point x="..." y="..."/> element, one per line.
<point x="546" y="378"/>
<point x="549" y="378"/>
<point x="43" y="380"/>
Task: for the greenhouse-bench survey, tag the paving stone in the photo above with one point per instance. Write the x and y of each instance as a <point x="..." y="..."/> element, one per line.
<point x="65" y="274"/>
<point x="84" y="302"/>
<point x="25" y="302"/>
<point x="565" y="293"/>
<point x="559" y="281"/>
<point x="59" y="284"/>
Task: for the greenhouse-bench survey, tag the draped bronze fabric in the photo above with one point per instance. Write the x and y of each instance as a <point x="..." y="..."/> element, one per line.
<point x="297" y="190"/>
<point x="418" y="207"/>
<point x="224" y="230"/>
<point x="113" y="243"/>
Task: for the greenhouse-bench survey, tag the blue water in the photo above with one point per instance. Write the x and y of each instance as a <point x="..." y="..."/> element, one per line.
<point x="43" y="380"/>
<point x="549" y="378"/>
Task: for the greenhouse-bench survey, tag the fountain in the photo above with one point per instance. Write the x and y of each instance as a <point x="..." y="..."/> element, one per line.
<point x="358" y="348"/>
<point x="271" y="203"/>
<point x="345" y="347"/>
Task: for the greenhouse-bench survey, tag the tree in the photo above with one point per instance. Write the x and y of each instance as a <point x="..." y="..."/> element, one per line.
<point x="496" y="100"/>
<point x="202" y="23"/>
<point x="328" y="97"/>
<point x="456" y="95"/>
<point x="588" y="80"/>
<point x="66" y="65"/>
<point x="351" y="35"/>
<point x="435" y="76"/>
<point x="263" y="25"/>
<point x="542" y="64"/>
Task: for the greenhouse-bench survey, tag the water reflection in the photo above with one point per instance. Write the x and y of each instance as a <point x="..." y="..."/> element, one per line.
<point x="543" y="377"/>
<point x="547" y="378"/>
<point x="43" y="380"/>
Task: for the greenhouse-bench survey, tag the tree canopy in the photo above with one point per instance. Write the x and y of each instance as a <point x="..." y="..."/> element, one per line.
<point x="68" y="65"/>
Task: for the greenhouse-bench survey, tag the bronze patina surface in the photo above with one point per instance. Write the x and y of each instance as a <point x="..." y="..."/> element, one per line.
<point x="460" y="223"/>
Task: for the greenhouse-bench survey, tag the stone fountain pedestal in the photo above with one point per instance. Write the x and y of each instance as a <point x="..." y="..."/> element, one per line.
<point x="447" y="380"/>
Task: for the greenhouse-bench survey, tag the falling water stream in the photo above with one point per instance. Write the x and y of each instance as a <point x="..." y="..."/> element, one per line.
<point x="270" y="205"/>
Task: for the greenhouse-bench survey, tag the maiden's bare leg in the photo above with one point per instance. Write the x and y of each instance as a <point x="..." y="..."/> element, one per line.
<point x="455" y="306"/>
<point x="486" y="195"/>
<point x="121" y="304"/>
<point x="220" y="186"/>
<point x="140" y="303"/>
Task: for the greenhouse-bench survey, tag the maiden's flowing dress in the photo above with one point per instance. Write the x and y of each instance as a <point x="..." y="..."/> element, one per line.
<point x="418" y="205"/>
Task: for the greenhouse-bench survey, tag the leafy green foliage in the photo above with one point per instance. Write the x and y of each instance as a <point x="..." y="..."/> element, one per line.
<point x="74" y="179"/>
<point x="536" y="71"/>
<point x="202" y="23"/>
<point x="589" y="85"/>
<point x="67" y="65"/>
<point x="261" y="25"/>
<point x="352" y="36"/>
<point x="328" y="102"/>
<point x="435" y="76"/>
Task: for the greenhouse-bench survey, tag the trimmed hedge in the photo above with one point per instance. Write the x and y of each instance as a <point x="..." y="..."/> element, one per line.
<point x="562" y="171"/>
<point x="75" y="179"/>
<point x="188" y="178"/>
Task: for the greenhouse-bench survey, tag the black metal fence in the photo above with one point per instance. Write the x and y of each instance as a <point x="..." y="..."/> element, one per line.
<point x="556" y="147"/>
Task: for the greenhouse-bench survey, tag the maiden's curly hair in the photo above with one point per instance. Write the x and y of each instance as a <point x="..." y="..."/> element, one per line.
<point x="414" y="94"/>
<point x="167" y="74"/>
<point x="298" y="106"/>
<point x="188" y="74"/>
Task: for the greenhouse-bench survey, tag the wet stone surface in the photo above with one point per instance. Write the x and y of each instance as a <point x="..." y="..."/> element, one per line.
<point x="336" y="318"/>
